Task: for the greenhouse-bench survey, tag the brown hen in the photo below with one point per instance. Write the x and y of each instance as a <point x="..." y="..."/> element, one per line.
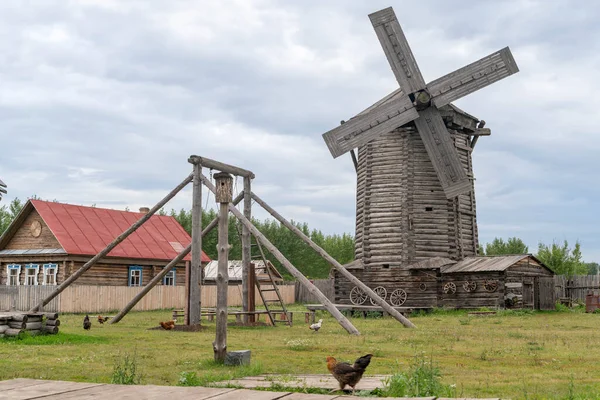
<point x="167" y="325"/>
<point x="347" y="374"/>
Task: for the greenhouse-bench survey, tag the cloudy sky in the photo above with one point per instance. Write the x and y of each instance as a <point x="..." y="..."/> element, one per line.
<point x="102" y="101"/>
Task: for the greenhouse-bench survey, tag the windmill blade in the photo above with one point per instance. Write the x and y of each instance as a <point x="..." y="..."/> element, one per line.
<point x="363" y="128"/>
<point x="473" y="77"/>
<point x="442" y="153"/>
<point x="397" y="50"/>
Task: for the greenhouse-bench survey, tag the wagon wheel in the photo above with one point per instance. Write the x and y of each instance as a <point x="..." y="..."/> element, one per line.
<point x="450" y="288"/>
<point x="422" y="287"/>
<point x="357" y="296"/>
<point x="490" y="285"/>
<point x="398" y="297"/>
<point x="470" y="286"/>
<point x="381" y="292"/>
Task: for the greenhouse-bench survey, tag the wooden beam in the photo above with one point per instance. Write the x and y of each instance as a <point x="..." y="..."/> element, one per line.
<point x="343" y="271"/>
<point x="354" y="160"/>
<point x="112" y="245"/>
<point x="220" y="343"/>
<point x="194" y="296"/>
<point x="167" y="268"/>
<point x="246" y="253"/>
<point x="343" y="321"/>
<point x="212" y="164"/>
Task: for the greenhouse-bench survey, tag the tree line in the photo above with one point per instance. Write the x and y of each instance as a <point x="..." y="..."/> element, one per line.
<point x="559" y="257"/>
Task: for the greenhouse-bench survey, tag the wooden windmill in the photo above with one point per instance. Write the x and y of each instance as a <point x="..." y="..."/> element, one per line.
<point x="415" y="196"/>
<point x="2" y="188"/>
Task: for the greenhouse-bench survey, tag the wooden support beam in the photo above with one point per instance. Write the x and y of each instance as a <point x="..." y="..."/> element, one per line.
<point x="343" y="271"/>
<point x="246" y="254"/>
<point x="354" y="160"/>
<point x="343" y="321"/>
<point x="223" y="194"/>
<point x="212" y="164"/>
<point x="167" y="268"/>
<point x="111" y="245"/>
<point x="194" y="295"/>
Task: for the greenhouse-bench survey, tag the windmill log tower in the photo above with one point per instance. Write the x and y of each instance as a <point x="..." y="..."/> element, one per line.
<point x="415" y="200"/>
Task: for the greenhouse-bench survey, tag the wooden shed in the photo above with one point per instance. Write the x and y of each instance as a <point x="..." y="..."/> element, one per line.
<point x="48" y="241"/>
<point x="512" y="281"/>
<point x="235" y="272"/>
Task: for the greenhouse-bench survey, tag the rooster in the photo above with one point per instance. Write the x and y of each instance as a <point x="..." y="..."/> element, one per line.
<point x="167" y="325"/>
<point x="102" y="319"/>
<point x="347" y="374"/>
<point x="87" y="324"/>
<point x="316" y="327"/>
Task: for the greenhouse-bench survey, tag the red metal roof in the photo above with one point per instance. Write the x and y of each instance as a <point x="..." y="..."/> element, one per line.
<point x="88" y="230"/>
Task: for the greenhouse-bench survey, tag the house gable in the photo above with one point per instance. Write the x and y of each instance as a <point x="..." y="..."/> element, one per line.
<point x="31" y="233"/>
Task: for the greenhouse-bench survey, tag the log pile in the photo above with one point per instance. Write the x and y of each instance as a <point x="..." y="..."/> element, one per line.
<point x="13" y="324"/>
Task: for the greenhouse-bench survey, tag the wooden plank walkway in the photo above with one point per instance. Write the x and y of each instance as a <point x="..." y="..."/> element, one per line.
<point x="26" y="389"/>
<point x="319" y="381"/>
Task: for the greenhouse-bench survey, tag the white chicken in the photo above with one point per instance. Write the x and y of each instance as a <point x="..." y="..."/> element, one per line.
<point x="316" y="327"/>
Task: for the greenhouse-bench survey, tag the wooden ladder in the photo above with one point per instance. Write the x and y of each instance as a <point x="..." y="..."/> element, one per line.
<point x="273" y="288"/>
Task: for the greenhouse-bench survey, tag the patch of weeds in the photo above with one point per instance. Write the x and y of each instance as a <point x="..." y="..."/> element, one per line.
<point x="464" y="321"/>
<point x="379" y="353"/>
<point x="515" y="335"/>
<point x="422" y="379"/>
<point x="484" y="355"/>
<point x="125" y="371"/>
<point x="298" y="344"/>
<point x="219" y="373"/>
<point x="188" y="379"/>
<point x="374" y="314"/>
<point x="279" y="387"/>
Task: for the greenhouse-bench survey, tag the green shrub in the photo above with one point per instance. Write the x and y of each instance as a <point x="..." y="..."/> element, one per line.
<point x="423" y="378"/>
<point x="125" y="371"/>
<point x="188" y="379"/>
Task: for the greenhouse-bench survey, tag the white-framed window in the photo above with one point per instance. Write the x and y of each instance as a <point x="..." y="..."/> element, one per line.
<point x="31" y="274"/>
<point x="135" y="276"/>
<point x="50" y="272"/>
<point x="169" y="279"/>
<point x="13" y="272"/>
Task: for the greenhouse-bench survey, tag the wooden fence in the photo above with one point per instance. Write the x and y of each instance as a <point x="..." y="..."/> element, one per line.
<point x="324" y="285"/>
<point x="100" y="299"/>
<point x="576" y="287"/>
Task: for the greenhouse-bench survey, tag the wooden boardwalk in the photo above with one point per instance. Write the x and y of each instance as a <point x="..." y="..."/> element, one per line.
<point x="25" y="389"/>
<point x="299" y="381"/>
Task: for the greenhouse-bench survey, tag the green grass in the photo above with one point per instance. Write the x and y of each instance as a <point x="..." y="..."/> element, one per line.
<point x="533" y="355"/>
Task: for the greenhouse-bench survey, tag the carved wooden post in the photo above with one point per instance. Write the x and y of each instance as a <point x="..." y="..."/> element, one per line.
<point x="194" y="294"/>
<point x="247" y="305"/>
<point x="224" y="188"/>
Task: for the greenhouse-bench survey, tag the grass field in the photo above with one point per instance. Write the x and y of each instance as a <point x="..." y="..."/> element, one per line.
<point x="509" y="355"/>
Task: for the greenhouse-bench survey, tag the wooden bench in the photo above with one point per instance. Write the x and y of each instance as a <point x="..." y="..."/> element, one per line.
<point x="309" y="316"/>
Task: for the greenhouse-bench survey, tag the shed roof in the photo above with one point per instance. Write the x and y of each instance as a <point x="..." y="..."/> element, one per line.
<point x="235" y="270"/>
<point x="487" y="263"/>
<point x="431" y="263"/>
<point x="84" y="230"/>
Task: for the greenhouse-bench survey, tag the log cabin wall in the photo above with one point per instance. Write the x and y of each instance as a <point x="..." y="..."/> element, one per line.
<point x="480" y="297"/>
<point x="420" y="286"/>
<point x="521" y="280"/>
<point x="100" y="274"/>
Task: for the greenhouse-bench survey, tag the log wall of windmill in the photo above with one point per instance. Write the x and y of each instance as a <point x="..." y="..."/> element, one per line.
<point x="403" y="216"/>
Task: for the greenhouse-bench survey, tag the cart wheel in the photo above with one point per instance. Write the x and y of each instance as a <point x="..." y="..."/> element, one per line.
<point x="422" y="287"/>
<point x="470" y="286"/>
<point x="450" y="288"/>
<point x="398" y="297"/>
<point x="379" y="291"/>
<point x="490" y="285"/>
<point x="357" y="296"/>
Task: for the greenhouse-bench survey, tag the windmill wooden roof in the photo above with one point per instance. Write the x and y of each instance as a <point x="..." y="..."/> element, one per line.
<point x="489" y="263"/>
<point x="84" y="230"/>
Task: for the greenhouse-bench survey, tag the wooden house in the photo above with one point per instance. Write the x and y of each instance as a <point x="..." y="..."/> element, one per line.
<point x="49" y="241"/>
